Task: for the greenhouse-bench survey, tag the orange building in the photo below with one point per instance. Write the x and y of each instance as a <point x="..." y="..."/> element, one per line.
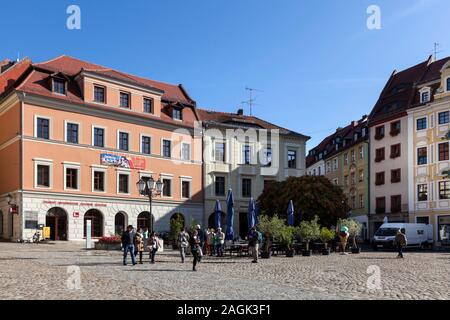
<point x="76" y="137"/>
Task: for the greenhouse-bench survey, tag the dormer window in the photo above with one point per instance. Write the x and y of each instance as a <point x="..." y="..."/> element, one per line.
<point x="448" y="84"/>
<point x="425" y="97"/>
<point x="59" y="86"/>
<point x="99" y="94"/>
<point x="148" y="105"/>
<point x="177" y="113"/>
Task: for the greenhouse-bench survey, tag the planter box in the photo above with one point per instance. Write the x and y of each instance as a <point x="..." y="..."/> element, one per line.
<point x="290" y="253"/>
<point x="326" y="252"/>
<point x="265" y="255"/>
<point x="356" y="250"/>
<point x="307" y="253"/>
<point x="108" y="246"/>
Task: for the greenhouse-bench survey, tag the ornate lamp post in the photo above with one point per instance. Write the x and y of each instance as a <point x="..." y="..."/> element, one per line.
<point x="150" y="188"/>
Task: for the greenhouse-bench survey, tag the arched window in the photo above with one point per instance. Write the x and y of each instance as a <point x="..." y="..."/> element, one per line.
<point x="145" y="220"/>
<point x="56" y="219"/>
<point x="96" y="218"/>
<point x="120" y="221"/>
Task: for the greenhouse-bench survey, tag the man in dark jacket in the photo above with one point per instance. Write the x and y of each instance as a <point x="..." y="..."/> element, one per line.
<point x="254" y="238"/>
<point x="128" y="241"/>
<point x="400" y="242"/>
<point x="201" y="238"/>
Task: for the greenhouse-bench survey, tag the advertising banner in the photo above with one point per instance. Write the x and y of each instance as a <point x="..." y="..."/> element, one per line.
<point x="122" y="161"/>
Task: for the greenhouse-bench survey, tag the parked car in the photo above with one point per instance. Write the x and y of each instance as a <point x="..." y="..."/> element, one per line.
<point x="417" y="234"/>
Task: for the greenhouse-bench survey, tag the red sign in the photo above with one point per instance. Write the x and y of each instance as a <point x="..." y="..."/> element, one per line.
<point x="13" y="209"/>
<point x="76" y="214"/>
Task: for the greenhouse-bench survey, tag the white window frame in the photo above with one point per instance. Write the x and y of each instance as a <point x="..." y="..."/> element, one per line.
<point x="123" y="172"/>
<point x="428" y="192"/>
<point x="243" y="156"/>
<point x="94" y="126"/>
<point x="417" y="156"/>
<point x="225" y="177"/>
<point x="425" y="90"/>
<point x="50" y="126"/>
<point x="141" y="136"/>
<point x="185" y="179"/>
<point x="43" y="162"/>
<point x="241" y="187"/>
<point x="72" y="165"/>
<point x="166" y="176"/>
<point x="162" y="148"/>
<point x="335" y="164"/>
<point x="361" y="152"/>
<point x="190" y="151"/>
<point x="417" y="119"/>
<point x="225" y="151"/>
<point x="118" y="140"/>
<point x="66" y="122"/>
<point x="104" y="169"/>
<point x="446" y="86"/>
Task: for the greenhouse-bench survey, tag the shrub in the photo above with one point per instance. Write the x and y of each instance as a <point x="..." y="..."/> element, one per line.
<point x="354" y="228"/>
<point x="110" y="240"/>
<point x="272" y="228"/>
<point x="309" y="230"/>
<point x="176" y="224"/>
<point x="326" y="235"/>
<point x="286" y="236"/>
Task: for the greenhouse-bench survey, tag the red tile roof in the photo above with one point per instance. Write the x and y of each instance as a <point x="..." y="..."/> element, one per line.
<point x="9" y="77"/>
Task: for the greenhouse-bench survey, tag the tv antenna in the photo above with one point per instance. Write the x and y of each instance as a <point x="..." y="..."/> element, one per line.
<point x="437" y="46"/>
<point x="251" y="101"/>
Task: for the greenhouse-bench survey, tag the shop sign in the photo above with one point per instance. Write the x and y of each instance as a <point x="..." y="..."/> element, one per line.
<point x="76" y="214"/>
<point x="46" y="232"/>
<point x="13" y="209"/>
<point x="122" y="161"/>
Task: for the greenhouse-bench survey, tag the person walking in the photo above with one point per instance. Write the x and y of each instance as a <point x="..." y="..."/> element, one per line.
<point x="201" y="237"/>
<point x="400" y="242"/>
<point x="210" y="242"/>
<point x="183" y="240"/>
<point x="219" y="240"/>
<point x="194" y="241"/>
<point x="254" y="238"/>
<point x="145" y="236"/>
<point x="139" y="246"/>
<point x="128" y="241"/>
<point x="154" y="245"/>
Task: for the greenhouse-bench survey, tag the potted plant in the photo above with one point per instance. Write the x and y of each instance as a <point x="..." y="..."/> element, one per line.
<point x="309" y="231"/>
<point x="109" y="243"/>
<point x="270" y="228"/>
<point x="286" y="237"/>
<point x="325" y="236"/>
<point x="354" y="229"/>
<point x="176" y="224"/>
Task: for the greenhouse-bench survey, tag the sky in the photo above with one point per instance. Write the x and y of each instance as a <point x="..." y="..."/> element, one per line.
<point x="316" y="64"/>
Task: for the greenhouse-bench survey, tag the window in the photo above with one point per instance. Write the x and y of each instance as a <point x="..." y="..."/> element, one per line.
<point x="361" y="175"/>
<point x="246" y="188"/>
<point x="186" y="151"/>
<point x="43" y="176"/>
<point x="43" y="128"/>
<point x="353" y="202"/>
<point x="380" y="205"/>
<point x="444" y="117"/>
<point x="246" y="154"/>
<point x="379" y="155"/>
<point x="423" y="220"/>
<point x="99" y="137"/>
<point x="425" y="97"/>
<point x="395" y="151"/>
<point x="443" y="151"/>
<point x="146" y="143"/>
<point x="124" y="183"/>
<point x="444" y="226"/>
<point x="177" y="113"/>
<point x="167" y="188"/>
<point x="292" y="159"/>
<point x="220" y="186"/>
<point x="379" y="178"/>
<point x="422" y="192"/>
<point x="361" y="201"/>
<point x="167" y="148"/>
<point x="123" y="141"/>
<point x="335" y="164"/>
<point x="124" y="100"/>
<point x="266" y="160"/>
<point x="219" y="152"/>
<point x="353" y="156"/>
<point x="99" y="181"/>
<point x="396" y="204"/>
<point x="185" y="189"/>
<point x="421" y="124"/>
<point x="421" y="156"/>
<point x="346" y="159"/>
<point x="448" y="84"/>
<point x="72" y="133"/>
<point x="328" y="166"/>
<point x="353" y="178"/>
<point x="72" y="178"/>
<point x="148" y="105"/>
<point x="59" y="86"/>
<point x="379" y="133"/>
<point x="444" y="190"/>
<point x="361" y="153"/>
<point x="99" y="94"/>
<point x="396" y="175"/>
<point x="395" y="128"/>
<point x="363" y="132"/>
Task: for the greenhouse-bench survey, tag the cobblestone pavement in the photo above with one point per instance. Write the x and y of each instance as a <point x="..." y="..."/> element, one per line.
<point x="43" y="271"/>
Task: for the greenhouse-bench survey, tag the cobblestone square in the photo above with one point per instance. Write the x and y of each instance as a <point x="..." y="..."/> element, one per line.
<point x="46" y="271"/>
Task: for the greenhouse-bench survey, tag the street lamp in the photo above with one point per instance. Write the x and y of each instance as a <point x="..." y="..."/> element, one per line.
<point x="150" y="188"/>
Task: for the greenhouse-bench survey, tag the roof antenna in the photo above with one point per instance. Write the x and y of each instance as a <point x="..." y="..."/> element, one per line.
<point x="251" y="101"/>
<point x="18" y="57"/>
<point x="436" y="50"/>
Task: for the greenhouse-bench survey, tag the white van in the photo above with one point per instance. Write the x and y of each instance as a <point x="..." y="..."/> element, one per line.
<point x="417" y="235"/>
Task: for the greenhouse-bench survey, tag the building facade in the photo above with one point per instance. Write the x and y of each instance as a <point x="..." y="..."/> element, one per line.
<point x="75" y="139"/>
<point x="245" y="153"/>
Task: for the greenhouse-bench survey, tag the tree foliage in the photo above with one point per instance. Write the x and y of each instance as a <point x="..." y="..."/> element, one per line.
<point x="312" y="195"/>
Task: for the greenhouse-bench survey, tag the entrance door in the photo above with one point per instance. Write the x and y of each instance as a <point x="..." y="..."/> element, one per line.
<point x="145" y="220"/>
<point x="119" y="223"/>
<point x="56" y="219"/>
<point x="96" y="218"/>
<point x="243" y="225"/>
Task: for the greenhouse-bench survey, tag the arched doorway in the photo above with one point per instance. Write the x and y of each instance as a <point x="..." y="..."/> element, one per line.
<point x="120" y="221"/>
<point x="178" y="216"/>
<point x="1" y="224"/>
<point x="145" y="220"/>
<point x="212" y="220"/>
<point x="96" y="218"/>
<point x="56" y="219"/>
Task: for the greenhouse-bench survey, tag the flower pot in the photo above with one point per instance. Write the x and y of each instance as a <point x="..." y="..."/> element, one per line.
<point x="326" y="251"/>
<point x="265" y="255"/>
<point x="290" y="253"/>
<point x="307" y="253"/>
<point x="356" y="250"/>
<point x="107" y="246"/>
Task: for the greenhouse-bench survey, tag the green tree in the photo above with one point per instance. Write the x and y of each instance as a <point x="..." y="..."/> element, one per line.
<point x="176" y="224"/>
<point x="271" y="228"/>
<point x="312" y="195"/>
<point x="326" y="235"/>
<point x="309" y="231"/>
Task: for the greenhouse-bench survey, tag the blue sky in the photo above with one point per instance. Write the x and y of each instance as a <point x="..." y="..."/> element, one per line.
<point x="317" y="63"/>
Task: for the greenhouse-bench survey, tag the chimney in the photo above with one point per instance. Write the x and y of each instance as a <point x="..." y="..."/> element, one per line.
<point x="240" y="112"/>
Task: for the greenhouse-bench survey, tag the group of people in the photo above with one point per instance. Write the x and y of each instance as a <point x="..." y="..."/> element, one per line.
<point x="136" y="242"/>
